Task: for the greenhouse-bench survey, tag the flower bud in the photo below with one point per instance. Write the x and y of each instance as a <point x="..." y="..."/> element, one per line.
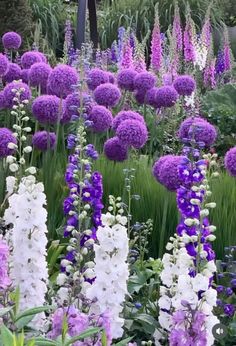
<point x="211" y="205"/>
<point x="13" y="167"/>
<point x="215" y="175"/>
<point x="10" y="159"/>
<point x="11" y="145"/>
<point x="28" y="149"/>
<point x="211" y="237"/>
<point x="204" y="212"/>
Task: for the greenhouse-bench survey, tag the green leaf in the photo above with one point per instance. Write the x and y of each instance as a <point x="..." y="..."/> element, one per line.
<point x="84" y="335"/>
<point x="104" y="338"/>
<point x="33" y="311"/>
<point x="4" y="311"/>
<point x="24" y="321"/>
<point x="39" y="341"/>
<point x="123" y="342"/>
<point x="6" y="336"/>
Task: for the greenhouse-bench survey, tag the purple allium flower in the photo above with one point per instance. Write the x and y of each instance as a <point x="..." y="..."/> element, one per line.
<point x="115" y="150"/>
<point x="166" y="96"/>
<point x="30" y="58"/>
<point x="61" y="80"/>
<point x="111" y="78"/>
<point x="139" y="96"/>
<point x="156" y="45"/>
<point x="46" y="109"/>
<point x="144" y="81"/>
<point x="44" y="140"/>
<point x="101" y="118"/>
<point x="132" y="133"/>
<point x="230" y="161"/>
<point x="4" y="63"/>
<point x="2" y="100"/>
<point x="6" y="137"/>
<point x="25" y="93"/>
<point x="169" y="172"/>
<point x="151" y="97"/>
<point x="185" y="85"/>
<point x="125" y="115"/>
<point x="4" y="256"/>
<point x="157" y="166"/>
<point x="107" y="95"/>
<point x="198" y="129"/>
<point x="11" y="40"/>
<point x="125" y="79"/>
<point x="229" y="310"/>
<point x="38" y="75"/>
<point x="13" y="73"/>
<point x="25" y="75"/>
<point x="71" y="107"/>
<point x="96" y="77"/>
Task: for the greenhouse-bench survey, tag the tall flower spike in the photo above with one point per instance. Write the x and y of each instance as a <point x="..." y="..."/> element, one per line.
<point x="127" y="54"/>
<point x="139" y="58"/>
<point x="227" y="50"/>
<point x="177" y="29"/>
<point x="206" y="38"/>
<point x="156" y="44"/>
<point x="189" y="37"/>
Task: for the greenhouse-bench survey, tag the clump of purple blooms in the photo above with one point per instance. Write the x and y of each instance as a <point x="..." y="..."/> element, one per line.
<point x="184" y="85"/>
<point x="61" y="80"/>
<point x="6" y="137"/>
<point x="38" y="75"/>
<point x="9" y="93"/>
<point x="125" y="79"/>
<point x="115" y="150"/>
<point x="46" y="109"/>
<point x="132" y="133"/>
<point x="125" y="115"/>
<point x="43" y="140"/>
<point x="11" y="40"/>
<point x="4" y="63"/>
<point x="230" y="161"/>
<point x="144" y="81"/>
<point x="29" y="58"/>
<point x="107" y="95"/>
<point x="101" y="119"/>
<point x="96" y="77"/>
<point x="4" y="257"/>
<point x="166" y="96"/>
<point x="13" y="73"/>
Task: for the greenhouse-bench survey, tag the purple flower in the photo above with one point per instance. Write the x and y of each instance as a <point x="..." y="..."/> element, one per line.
<point x="125" y="79"/>
<point x="96" y="77"/>
<point x="197" y="129"/>
<point x="4" y="63"/>
<point x="61" y="80"/>
<point x="101" y="118"/>
<point x="25" y="93"/>
<point x="233" y="283"/>
<point x="156" y="46"/>
<point x="11" y="40"/>
<point x="38" y="75"/>
<point x="107" y="95"/>
<point x="6" y="137"/>
<point x="177" y="29"/>
<point x="126" y="61"/>
<point x="151" y="97"/>
<point x="157" y="166"/>
<point x="4" y="256"/>
<point x="25" y="75"/>
<point x="184" y="85"/>
<point x="132" y="133"/>
<point x="115" y="150"/>
<point x="30" y="58"/>
<point x="144" y="81"/>
<point x="2" y="100"/>
<point x="46" y="109"/>
<point x="91" y="152"/>
<point x="169" y="172"/>
<point x="179" y="337"/>
<point x="125" y="115"/>
<point x="189" y="33"/>
<point x="71" y="106"/>
<point x="229" y="292"/>
<point x="179" y="317"/>
<point x="13" y="73"/>
<point x="220" y="63"/>
<point x="139" y="96"/>
<point x="166" y="96"/>
<point x="111" y="77"/>
<point x="230" y="161"/>
<point x="209" y="75"/>
<point x="229" y="310"/>
<point x="71" y="141"/>
<point x="44" y="140"/>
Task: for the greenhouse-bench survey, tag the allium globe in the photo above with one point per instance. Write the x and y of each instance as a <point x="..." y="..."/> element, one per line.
<point x="157" y="166"/>
<point x="166" y="96"/>
<point x="125" y="115"/>
<point x="13" y="73"/>
<point x="184" y="85"/>
<point x="30" y="58"/>
<point x="46" y="109"/>
<point x="151" y="97"/>
<point x="2" y="100"/>
<point x="101" y="118"/>
<point x="38" y="75"/>
<point x="61" y="80"/>
<point x="230" y="161"/>
<point x="9" y="94"/>
<point x="25" y="75"/>
<point x="43" y="140"/>
<point x="198" y="129"/>
<point x="11" y="40"/>
<point x="168" y="174"/>
<point x="139" y="96"/>
<point x="107" y="95"/>
<point x="125" y="79"/>
<point x="115" y="150"/>
<point x="132" y="133"/>
<point x="42" y="56"/>
<point x="4" y="63"/>
<point x="144" y="81"/>
<point x="96" y="77"/>
<point x="6" y="137"/>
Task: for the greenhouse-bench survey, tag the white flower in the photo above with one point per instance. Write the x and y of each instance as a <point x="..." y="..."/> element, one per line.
<point x="27" y="150"/>
<point x="13" y="167"/>
<point x="164" y="302"/>
<point x="10" y="159"/>
<point x="61" y="279"/>
<point x="211" y="295"/>
<point x="200" y="283"/>
<point x="11" y="145"/>
<point x="11" y="184"/>
<point x="31" y="170"/>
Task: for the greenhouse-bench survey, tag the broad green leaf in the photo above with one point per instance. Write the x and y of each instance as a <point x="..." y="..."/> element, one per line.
<point x="84" y="335"/>
<point x="104" y="338"/>
<point x="4" y="311"/>
<point x="123" y="342"/>
<point x="33" y="311"/>
<point x="38" y="341"/>
<point x="23" y="321"/>
<point x="7" y="337"/>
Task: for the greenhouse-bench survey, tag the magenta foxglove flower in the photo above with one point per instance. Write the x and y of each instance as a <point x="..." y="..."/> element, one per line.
<point x="156" y="45"/>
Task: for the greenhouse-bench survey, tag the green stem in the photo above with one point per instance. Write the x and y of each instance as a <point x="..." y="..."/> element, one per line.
<point x="163" y="227"/>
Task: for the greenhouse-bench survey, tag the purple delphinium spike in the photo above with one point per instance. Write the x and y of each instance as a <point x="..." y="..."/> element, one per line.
<point x="114" y="52"/>
<point x="121" y="34"/>
<point x="156" y="45"/>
